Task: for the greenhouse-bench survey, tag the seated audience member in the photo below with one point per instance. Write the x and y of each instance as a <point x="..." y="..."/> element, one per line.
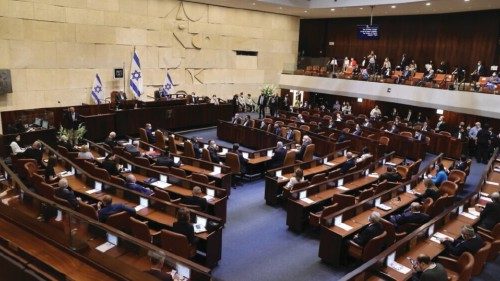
<point x="150" y="133"/>
<point x="331" y="124"/>
<point x="214" y="100"/>
<point x="341" y="138"/>
<point x="243" y="160"/>
<point x="166" y="160"/>
<point x="133" y="149"/>
<point x="411" y="215"/>
<point x="213" y="149"/>
<point x="431" y="191"/>
<point x="404" y="76"/>
<point x="391" y="175"/>
<point x="110" y="164"/>
<point x="236" y="119"/>
<point x="111" y="140"/>
<point x="106" y="208"/>
<point x="442" y="68"/>
<point x="157" y="261"/>
<point x="278" y="156"/>
<point x="357" y="131"/>
<point x="300" y="118"/>
<point x="425" y="127"/>
<point x="426" y="270"/>
<point x="34" y="152"/>
<point x="394" y="129"/>
<point x="461" y="164"/>
<point x="196" y="199"/>
<point x="372" y="230"/>
<point x="306" y="140"/>
<point x="63" y="141"/>
<point x="467" y="242"/>
<point x="493" y="81"/>
<point x="250" y="103"/>
<point x="375" y="113"/>
<point x="490" y="215"/>
<point x="441" y="125"/>
<point x="429" y="76"/>
<point x="131" y="183"/>
<point x="289" y="134"/>
<point x="64" y="192"/>
<point x="418" y="135"/>
<point x="338" y="117"/>
<point x="50" y="174"/>
<point x="263" y="125"/>
<point x="367" y="123"/>
<point x="248" y="121"/>
<point x="196" y="147"/>
<point x="336" y="106"/>
<point x="298" y="176"/>
<point x="351" y="162"/>
<point x="441" y="175"/>
<point x="365" y="155"/>
<point x="85" y="153"/>
<point x="346" y="109"/>
<point x="277" y="129"/>
<point x="14" y="146"/>
<point x="183" y="226"/>
<point x="241" y="102"/>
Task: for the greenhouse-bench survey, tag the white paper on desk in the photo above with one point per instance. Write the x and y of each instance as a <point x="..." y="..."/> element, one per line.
<point x="213" y="173"/>
<point x="208" y="197"/>
<point x="435" y="240"/>
<point x="139" y="207"/>
<point x="390" y="163"/>
<point x="468" y="215"/>
<point x="373" y="175"/>
<point x="384" y="207"/>
<point x="329" y="164"/>
<point x="100" y="159"/>
<point x="105" y="247"/>
<point x="92" y="191"/>
<point x="342" y="187"/>
<point x="279" y="173"/>
<point x="441" y="236"/>
<point x="484" y="194"/>
<point x="245" y="155"/>
<point x="399" y="267"/>
<point x="269" y="153"/>
<point x="487" y="199"/>
<point x="217" y="170"/>
<point x="492" y="183"/>
<point x="497" y="170"/>
<point x="344" y="226"/>
<point x="307" y="200"/>
<point x="161" y="184"/>
<point x="473" y="212"/>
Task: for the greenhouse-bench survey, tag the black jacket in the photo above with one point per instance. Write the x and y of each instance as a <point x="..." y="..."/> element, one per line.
<point x="371" y="231"/>
<point x="490" y="215"/>
<point x="213" y="155"/>
<point x="195" y="200"/>
<point x="278" y="158"/>
<point x="110" y="166"/>
<point x="111" y="142"/>
<point x="186" y="229"/>
<point x="31" y="153"/>
<point x="347" y="165"/>
<point x="130" y="148"/>
<point x="459" y="246"/>
<point x="391" y="176"/>
<point x="68" y="195"/>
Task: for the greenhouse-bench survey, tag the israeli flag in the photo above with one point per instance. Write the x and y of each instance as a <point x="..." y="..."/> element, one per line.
<point x="168" y="86"/>
<point x="97" y="90"/>
<point x="136" y="75"/>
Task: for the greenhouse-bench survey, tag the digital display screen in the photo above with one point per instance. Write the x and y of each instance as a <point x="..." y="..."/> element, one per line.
<point x="368" y="32"/>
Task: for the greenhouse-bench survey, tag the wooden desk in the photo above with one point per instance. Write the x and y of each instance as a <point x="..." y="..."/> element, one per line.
<point x="27" y="138"/>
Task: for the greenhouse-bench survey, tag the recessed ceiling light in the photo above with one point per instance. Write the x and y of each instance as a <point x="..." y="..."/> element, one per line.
<point x="361" y="8"/>
<point x="466" y="0"/>
<point x="305" y="11"/>
<point x="332" y="9"/>
<point x="280" y="8"/>
<point x="253" y="3"/>
<point x="393" y="6"/>
<point x="428" y="4"/>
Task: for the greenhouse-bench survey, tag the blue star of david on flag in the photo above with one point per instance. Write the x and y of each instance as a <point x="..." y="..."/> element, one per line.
<point x="97" y="90"/>
<point x="168" y="86"/>
<point x="136" y="75"/>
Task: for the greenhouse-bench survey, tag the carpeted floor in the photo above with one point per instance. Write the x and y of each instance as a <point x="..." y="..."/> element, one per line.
<point x="257" y="244"/>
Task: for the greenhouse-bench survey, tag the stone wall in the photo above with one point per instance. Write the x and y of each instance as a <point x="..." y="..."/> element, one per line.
<point x="54" y="47"/>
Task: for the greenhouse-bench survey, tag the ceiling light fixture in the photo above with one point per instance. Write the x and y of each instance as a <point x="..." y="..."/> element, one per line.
<point x="305" y="11"/>
<point x="393" y="7"/>
<point x="332" y="9"/>
<point x="253" y="3"/>
<point x="361" y="8"/>
<point x="428" y="4"/>
<point x="466" y="0"/>
<point x="280" y="8"/>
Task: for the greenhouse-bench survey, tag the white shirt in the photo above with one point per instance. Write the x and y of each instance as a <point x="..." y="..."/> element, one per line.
<point x="375" y="113"/>
<point x="16" y="148"/>
<point x="214" y="101"/>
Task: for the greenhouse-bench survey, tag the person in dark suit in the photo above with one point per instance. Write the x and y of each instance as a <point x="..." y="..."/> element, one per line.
<point x="479" y="71"/>
<point x="273" y="105"/>
<point x="277" y="129"/>
<point x="150" y="133"/>
<point x="157" y="261"/>
<point x="213" y="149"/>
<point x="33" y="152"/>
<point x="248" y="121"/>
<point x="484" y="137"/>
<point x="262" y="102"/>
<point x="120" y="97"/>
<point x="50" y="173"/>
<point x="426" y="270"/>
<point x="132" y="184"/>
<point x="106" y="208"/>
<point x="419" y="136"/>
<point x="410" y="215"/>
<point x="196" y="147"/>
<point x="306" y="140"/>
<point x="391" y="175"/>
<point x="196" y="199"/>
<point x="110" y="164"/>
<point x="289" y="134"/>
<point x="64" y="192"/>
<point x="63" y="141"/>
<point x="182" y="225"/>
<point x="461" y="164"/>
<point x="373" y="229"/>
<point x="468" y="242"/>
<point x="237" y="119"/>
<point x="166" y="160"/>
<point x="351" y="162"/>
<point x="394" y="129"/>
<point x="331" y="124"/>
<point x="431" y="191"/>
<point x="357" y="131"/>
<point x="133" y="149"/>
<point x="71" y="119"/>
<point x="243" y="160"/>
<point x="111" y="140"/>
<point x="441" y="125"/>
<point x="160" y="93"/>
<point x="278" y="157"/>
<point x="490" y="215"/>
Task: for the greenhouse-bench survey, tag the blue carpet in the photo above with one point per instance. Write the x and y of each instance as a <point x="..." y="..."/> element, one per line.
<point x="257" y="244"/>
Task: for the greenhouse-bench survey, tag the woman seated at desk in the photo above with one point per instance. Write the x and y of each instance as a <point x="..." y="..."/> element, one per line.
<point x="182" y="225"/>
<point x="298" y="176"/>
<point x="85" y="153"/>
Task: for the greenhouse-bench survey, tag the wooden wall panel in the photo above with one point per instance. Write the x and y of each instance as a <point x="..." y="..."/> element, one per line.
<point x="459" y="38"/>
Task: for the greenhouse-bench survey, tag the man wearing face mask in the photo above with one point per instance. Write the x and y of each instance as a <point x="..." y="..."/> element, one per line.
<point x="213" y="149"/>
<point x="14" y="145"/>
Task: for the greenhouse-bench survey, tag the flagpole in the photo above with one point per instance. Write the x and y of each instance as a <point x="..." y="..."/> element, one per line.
<point x="125" y="93"/>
